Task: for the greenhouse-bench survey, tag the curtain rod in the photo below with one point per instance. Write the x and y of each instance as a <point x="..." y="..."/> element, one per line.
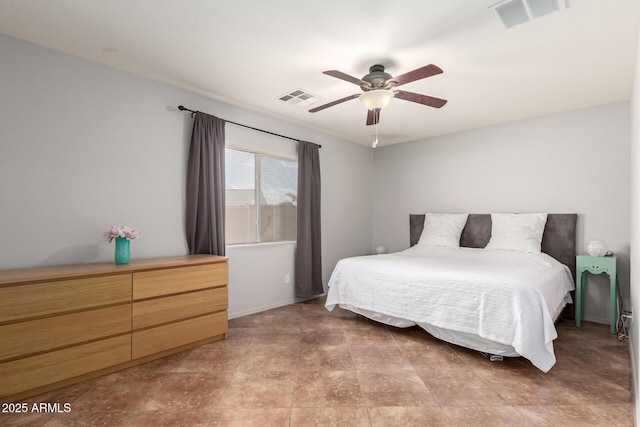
<point x="183" y="108"/>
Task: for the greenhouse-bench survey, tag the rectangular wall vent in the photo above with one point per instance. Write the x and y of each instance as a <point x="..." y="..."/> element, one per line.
<point x="515" y="12"/>
<point x="299" y="97"/>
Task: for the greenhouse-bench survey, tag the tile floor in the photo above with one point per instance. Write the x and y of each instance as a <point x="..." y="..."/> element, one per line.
<point x="300" y="365"/>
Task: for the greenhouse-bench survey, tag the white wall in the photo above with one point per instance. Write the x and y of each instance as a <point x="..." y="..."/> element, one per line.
<point x="84" y="146"/>
<point x="634" y="334"/>
<point x="569" y="162"/>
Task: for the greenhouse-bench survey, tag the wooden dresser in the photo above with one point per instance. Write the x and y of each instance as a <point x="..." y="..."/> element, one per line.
<point x="64" y="324"/>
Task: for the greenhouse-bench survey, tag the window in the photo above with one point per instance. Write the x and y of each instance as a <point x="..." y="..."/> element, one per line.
<point x="261" y="197"/>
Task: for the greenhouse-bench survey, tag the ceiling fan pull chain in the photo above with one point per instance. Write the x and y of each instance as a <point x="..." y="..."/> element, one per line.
<point x="375" y="141"/>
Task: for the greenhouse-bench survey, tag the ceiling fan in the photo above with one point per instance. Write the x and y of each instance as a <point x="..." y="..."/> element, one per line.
<point x="378" y="89"/>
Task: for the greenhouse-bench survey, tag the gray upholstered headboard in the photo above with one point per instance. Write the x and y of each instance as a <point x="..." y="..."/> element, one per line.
<point x="558" y="240"/>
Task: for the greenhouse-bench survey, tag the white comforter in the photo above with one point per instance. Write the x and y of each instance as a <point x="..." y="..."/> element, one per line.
<point x="503" y="296"/>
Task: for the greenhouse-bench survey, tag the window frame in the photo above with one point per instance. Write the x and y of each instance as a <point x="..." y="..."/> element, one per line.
<point x="257" y="153"/>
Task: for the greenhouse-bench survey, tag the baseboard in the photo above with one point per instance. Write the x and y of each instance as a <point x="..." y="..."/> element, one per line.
<point x="603" y="320"/>
<point x="634" y="374"/>
<point x="260" y="309"/>
<point x="634" y="377"/>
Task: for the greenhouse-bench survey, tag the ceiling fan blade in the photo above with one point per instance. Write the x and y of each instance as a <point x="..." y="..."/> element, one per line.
<point x="346" y="77"/>
<point x="373" y="117"/>
<point x="336" y="102"/>
<point x="420" y="99"/>
<point x="420" y="73"/>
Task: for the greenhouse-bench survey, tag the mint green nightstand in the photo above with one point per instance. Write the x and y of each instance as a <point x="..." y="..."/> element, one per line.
<point x="596" y="265"/>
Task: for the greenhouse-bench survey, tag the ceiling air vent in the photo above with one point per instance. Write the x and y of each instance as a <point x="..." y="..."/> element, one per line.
<point x="299" y="97"/>
<point x="515" y="12"/>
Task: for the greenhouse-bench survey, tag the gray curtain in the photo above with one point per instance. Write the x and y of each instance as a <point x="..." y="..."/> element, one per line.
<point x="308" y="257"/>
<point x="205" y="186"/>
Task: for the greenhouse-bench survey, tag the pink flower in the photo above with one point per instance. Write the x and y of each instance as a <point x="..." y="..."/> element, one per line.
<point x="121" y="232"/>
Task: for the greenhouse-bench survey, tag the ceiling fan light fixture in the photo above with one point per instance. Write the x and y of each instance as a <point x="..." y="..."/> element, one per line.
<point x="376" y="99"/>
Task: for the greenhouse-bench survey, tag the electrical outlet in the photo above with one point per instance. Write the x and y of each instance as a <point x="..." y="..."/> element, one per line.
<point x="287" y="278"/>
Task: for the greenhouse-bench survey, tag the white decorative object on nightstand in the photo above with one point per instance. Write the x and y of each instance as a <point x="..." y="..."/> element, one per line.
<point x="597" y="248"/>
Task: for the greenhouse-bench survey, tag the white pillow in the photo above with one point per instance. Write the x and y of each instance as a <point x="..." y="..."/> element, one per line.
<point x="442" y="230"/>
<point x="517" y="232"/>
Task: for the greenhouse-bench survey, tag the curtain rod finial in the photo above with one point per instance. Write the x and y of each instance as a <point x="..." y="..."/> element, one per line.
<point x="183" y="108"/>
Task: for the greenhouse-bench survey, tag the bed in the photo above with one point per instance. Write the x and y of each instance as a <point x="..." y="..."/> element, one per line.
<point x="495" y="301"/>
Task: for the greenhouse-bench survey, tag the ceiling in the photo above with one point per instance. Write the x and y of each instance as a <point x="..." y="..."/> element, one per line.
<point x="249" y="53"/>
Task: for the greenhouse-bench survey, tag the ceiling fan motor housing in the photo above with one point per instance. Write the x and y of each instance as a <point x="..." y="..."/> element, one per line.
<point x="377" y="79"/>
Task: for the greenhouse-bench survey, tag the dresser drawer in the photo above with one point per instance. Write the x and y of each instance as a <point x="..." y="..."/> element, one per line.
<point x="40" y="299"/>
<point x="19" y="339"/>
<point x="36" y="371"/>
<point x="155" y="283"/>
<point x="161" y="338"/>
<point x="176" y="307"/>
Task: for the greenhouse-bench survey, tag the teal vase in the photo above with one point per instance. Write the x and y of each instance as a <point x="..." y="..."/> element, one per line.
<point x="122" y="251"/>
